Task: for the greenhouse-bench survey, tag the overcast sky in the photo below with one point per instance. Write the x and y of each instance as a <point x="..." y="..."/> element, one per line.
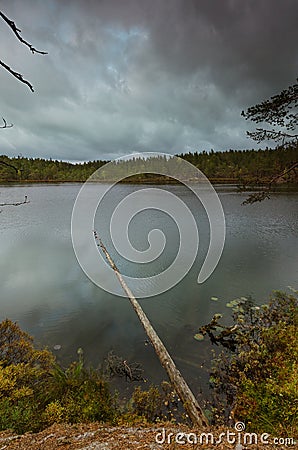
<point x="125" y="76"/>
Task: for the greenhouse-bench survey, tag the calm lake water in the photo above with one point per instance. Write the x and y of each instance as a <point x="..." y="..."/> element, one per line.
<point x="43" y="287"/>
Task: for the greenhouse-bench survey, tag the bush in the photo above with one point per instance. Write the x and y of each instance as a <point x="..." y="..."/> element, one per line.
<point x="268" y="400"/>
<point x="36" y="392"/>
<point x="158" y="403"/>
<point x="82" y="395"/>
<point x="16" y="346"/>
<point x="254" y="379"/>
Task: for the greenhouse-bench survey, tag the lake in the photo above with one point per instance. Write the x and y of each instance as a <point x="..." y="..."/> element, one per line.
<point x="43" y="287"/>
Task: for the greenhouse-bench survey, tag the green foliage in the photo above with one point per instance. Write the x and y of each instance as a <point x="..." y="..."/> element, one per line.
<point x="238" y="166"/>
<point x="255" y="378"/>
<point x="280" y="112"/>
<point x="78" y="395"/>
<point x="16" y="346"/>
<point x="148" y="403"/>
<point x="269" y="400"/>
<point x="246" y="167"/>
<point x="36" y="392"/>
<point x="38" y="169"/>
<point x="156" y="404"/>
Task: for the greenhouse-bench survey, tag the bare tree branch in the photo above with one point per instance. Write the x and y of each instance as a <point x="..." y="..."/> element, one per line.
<point x="116" y="365"/>
<point x="5" y="124"/>
<point x="17" y="32"/>
<point x="17" y="75"/>
<point x="17" y="203"/>
<point x="262" y="195"/>
<point x="290" y="169"/>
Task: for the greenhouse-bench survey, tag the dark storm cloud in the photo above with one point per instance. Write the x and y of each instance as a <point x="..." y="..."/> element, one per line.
<point x="124" y="76"/>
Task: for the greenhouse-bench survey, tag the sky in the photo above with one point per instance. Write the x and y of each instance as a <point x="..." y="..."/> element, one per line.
<point x="125" y="76"/>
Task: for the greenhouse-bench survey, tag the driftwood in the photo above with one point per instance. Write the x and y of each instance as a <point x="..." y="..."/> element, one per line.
<point x="116" y="365"/>
<point x="17" y="203"/>
<point x="190" y="403"/>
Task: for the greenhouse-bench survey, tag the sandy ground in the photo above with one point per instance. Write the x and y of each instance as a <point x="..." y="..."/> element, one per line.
<point x="98" y="437"/>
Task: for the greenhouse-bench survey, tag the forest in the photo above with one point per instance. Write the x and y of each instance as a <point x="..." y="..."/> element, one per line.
<point x="232" y="166"/>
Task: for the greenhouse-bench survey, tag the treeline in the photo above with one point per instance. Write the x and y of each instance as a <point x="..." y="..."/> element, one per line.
<point x="38" y="169"/>
<point x="237" y="166"/>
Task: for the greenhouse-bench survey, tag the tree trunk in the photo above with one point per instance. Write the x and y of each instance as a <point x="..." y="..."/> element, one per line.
<point x="190" y="403"/>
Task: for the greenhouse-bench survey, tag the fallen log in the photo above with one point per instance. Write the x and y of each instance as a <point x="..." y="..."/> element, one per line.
<point x="189" y="401"/>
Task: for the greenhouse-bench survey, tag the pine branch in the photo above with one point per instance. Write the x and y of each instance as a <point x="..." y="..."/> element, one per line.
<point x="261" y="134"/>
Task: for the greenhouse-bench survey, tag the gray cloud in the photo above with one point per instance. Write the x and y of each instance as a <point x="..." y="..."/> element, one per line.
<point x="164" y="75"/>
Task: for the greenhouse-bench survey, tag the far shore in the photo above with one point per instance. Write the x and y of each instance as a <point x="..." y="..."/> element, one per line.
<point x="243" y="185"/>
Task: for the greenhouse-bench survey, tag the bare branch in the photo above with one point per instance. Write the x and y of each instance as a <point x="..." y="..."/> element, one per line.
<point x="17" y="75"/>
<point x="256" y="197"/>
<point x="5" y="124"/>
<point x="17" y="32"/>
<point x="17" y="203"/>
<point x="262" y="195"/>
<point x="290" y="169"/>
<point x="116" y="365"/>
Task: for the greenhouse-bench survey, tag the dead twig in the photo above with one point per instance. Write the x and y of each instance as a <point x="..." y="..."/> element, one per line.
<point x="17" y="32"/>
<point x="263" y="194"/>
<point x="5" y="125"/>
<point x="116" y="365"/>
<point x="17" y="75"/>
<point x="17" y="203"/>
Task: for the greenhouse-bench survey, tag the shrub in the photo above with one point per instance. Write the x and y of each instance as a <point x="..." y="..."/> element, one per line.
<point x="83" y="394"/>
<point x="158" y="403"/>
<point x="255" y="378"/>
<point x="36" y="392"/>
<point x="16" y="346"/>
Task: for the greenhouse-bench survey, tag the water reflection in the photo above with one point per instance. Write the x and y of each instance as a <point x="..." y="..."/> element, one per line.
<point x="43" y="287"/>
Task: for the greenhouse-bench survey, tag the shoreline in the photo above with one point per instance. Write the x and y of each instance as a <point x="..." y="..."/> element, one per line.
<point x="278" y="187"/>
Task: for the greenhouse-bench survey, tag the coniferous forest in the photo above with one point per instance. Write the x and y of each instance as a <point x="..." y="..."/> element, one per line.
<point x="232" y="166"/>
